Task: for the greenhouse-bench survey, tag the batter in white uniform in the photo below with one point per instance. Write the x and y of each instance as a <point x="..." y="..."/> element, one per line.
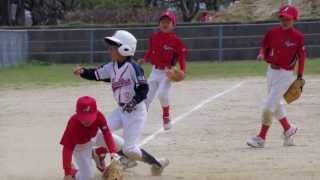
<point x="130" y="89"/>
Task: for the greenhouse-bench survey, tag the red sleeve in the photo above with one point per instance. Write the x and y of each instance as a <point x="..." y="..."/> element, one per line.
<point x="147" y="54"/>
<point x="107" y="134"/>
<point x="302" y="57"/>
<point x="68" y="147"/>
<point x="265" y="44"/>
<point x="181" y="50"/>
<point x="67" y="159"/>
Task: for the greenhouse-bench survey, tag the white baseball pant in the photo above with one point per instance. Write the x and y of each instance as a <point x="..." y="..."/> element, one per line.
<point x="132" y="125"/>
<point x="160" y="85"/>
<point x="278" y="82"/>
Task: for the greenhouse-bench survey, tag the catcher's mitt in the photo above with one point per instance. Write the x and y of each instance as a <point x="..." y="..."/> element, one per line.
<point x="294" y="91"/>
<point x="175" y="75"/>
<point x="113" y="172"/>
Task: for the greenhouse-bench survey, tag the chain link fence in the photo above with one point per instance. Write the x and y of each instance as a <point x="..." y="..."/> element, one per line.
<point x="209" y="42"/>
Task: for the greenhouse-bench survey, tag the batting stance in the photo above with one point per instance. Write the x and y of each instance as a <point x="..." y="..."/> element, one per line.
<point x="282" y="47"/>
<point x="79" y="138"/>
<point x="129" y="90"/>
<point x="165" y="47"/>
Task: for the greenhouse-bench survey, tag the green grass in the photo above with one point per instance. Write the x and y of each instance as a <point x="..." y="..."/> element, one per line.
<point x="36" y="74"/>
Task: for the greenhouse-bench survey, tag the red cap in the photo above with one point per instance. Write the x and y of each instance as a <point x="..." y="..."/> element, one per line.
<point x="86" y="108"/>
<point x="170" y="14"/>
<point x="289" y="11"/>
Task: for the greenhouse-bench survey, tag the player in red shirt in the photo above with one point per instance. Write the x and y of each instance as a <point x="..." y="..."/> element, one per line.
<point x="165" y="49"/>
<point x="282" y="48"/>
<point x="79" y="139"/>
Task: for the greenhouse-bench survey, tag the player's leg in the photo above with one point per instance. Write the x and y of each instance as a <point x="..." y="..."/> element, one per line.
<point x="278" y="82"/>
<point x="100" y="150"/>
<point x="132" y="129"/>
<point x="163" y="95"/>
<point x="289" y="130"/>
<point x="153" y="82"/>
<point x="133" y="124"/>
<point x="266" y="118"/>
<point x="153" y="88"/>
<point x="84" y="163"/>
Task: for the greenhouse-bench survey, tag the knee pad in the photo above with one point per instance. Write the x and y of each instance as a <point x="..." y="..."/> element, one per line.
<point x="133" y="153"/>
<point x="267" y="117"/>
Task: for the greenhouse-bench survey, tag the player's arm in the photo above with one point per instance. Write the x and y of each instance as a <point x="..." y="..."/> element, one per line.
<point x="141" y="88"/>
<point x="265" y="46"/>
<point x="67" y="160"/>
<point x="107" y="134"/>
<point x="302" y="58"/>
<point x="147" y="54"/>
<point x="98" y="74"/>
<point x="181" y="52"/>
<point x="67" y="151"/>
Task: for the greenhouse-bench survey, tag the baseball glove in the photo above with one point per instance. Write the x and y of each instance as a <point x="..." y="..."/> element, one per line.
<point x="175" y="75"/>
<point x="114" y="171"/>
<point x="294" y="91"/>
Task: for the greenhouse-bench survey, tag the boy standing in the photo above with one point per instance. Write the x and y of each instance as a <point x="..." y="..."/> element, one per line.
<point x="165" y="48"/>
<point x="282" y="47"/>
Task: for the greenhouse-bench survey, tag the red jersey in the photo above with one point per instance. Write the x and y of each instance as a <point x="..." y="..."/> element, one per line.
<point x="164" y="49"/>
<point x="75" y="133"/>
<point x="284" y="48"/>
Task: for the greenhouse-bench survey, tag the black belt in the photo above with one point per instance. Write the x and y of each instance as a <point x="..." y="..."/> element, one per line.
<point x="160" y="67"/>
<point x="275" y="67"/>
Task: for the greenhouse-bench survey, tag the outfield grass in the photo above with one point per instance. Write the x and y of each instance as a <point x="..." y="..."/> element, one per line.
<point x="36" y="74"/>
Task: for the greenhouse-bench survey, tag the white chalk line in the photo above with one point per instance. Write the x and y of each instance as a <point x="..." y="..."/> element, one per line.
<point x="195" y="108"/>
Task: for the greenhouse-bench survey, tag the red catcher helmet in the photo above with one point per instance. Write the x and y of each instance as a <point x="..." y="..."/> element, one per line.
<point x="170" y="14"/>
<point x="289" y="11"/>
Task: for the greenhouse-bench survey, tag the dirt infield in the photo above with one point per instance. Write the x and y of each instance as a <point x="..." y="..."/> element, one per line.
<point x="208" y="144"/>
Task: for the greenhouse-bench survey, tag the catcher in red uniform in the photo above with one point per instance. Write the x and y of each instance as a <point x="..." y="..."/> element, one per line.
<point x="164" y="51"/>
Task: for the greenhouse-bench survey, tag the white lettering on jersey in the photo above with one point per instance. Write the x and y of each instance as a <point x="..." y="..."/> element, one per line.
<point x="120" y="83"/>
<point x="123" y="80"/>
<point x="289" y="44"/>
<point x="166" y="47"/>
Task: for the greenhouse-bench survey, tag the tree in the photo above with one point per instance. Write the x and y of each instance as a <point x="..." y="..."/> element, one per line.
<point x="189" y="9"/>
<point x="46" y="12"/>
<point x="4" y="10"/>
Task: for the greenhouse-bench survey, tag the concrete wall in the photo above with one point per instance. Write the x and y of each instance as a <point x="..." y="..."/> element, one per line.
<point x="13" y="47"/>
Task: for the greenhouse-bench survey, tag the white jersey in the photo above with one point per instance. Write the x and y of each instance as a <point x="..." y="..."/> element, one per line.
<point x="125" y="79"/>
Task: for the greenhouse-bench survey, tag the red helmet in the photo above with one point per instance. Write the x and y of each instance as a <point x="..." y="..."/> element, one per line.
<point x="170" y="14"/>
<point x="289" y="11"/>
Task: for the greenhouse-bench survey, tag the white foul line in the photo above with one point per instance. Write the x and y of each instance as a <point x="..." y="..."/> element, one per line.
<point x="195" y="108"/>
